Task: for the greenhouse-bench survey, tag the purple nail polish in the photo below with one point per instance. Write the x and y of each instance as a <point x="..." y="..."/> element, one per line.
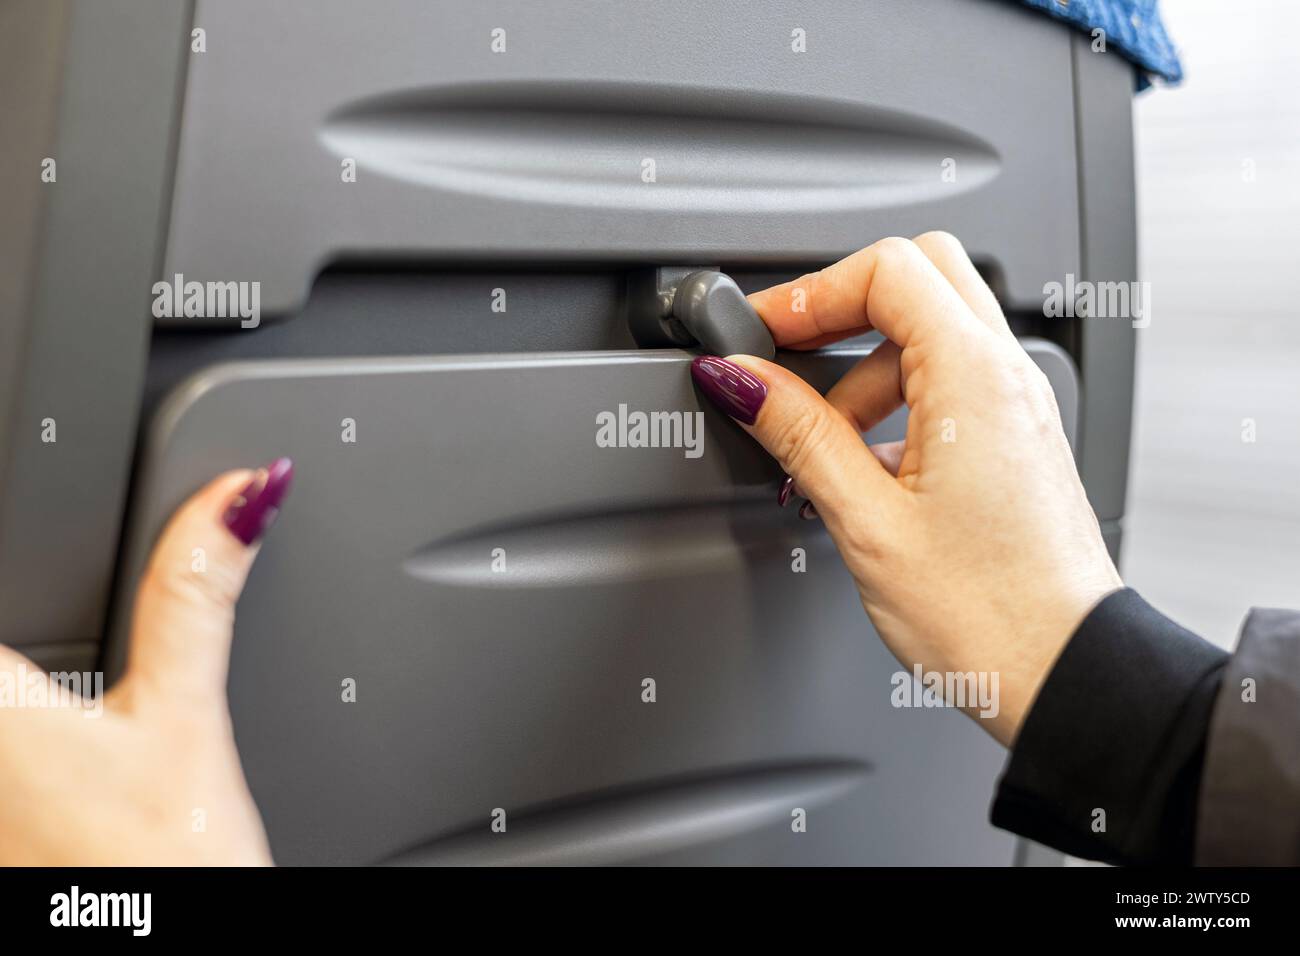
<point x="253" y="510"/>
<point x="735" y="390"/>
<point x="787" y="488"/>
<point x="808" y="511"/>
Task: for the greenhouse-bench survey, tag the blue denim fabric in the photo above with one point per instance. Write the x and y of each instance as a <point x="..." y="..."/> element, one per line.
<point x="1133" y="27"/>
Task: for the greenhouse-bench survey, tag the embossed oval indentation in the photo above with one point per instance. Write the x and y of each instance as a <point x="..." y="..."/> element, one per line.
<point x="600" y="829"/>
<point x="628" y="545"/>
<point x="657" y="148"/>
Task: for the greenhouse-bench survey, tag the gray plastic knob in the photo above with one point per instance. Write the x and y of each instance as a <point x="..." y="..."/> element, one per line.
<point x="711" y="307"/>
<point x="694" y="307"/>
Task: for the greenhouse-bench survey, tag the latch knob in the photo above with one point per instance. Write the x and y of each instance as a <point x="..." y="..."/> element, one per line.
<point x="695" y="307"/>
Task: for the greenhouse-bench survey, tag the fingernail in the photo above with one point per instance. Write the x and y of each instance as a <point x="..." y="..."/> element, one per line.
<point x="735" y="390"/>
<point x="787" y="488"/>
<point x="807" y="511"/>
<point x="253" y="510"/>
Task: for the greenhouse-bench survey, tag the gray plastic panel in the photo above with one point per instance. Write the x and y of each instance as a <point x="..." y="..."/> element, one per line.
<point x="537" y="153"/>
<point x="83" y="327"/>
<point x="521" y="688"/>
<point x="1104" y="92"/>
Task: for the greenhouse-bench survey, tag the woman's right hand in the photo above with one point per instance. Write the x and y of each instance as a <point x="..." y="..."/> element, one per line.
<point x="972" y="542"/>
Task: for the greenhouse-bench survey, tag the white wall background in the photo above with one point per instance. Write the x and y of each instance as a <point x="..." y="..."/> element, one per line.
<point x="1214" y="521"/>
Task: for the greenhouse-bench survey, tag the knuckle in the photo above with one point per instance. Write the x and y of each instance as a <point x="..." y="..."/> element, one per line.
<point x="940" y="240"/>
<point x="822" y="287"/>
<point x="1044" y="383"/>
<point x="1031" y="377"/>
<point x="1026" y="382"/>
<point x="895" y="250"/>
<point x="210" y="589"/>
<point x="990" y="354"/>
<point x="798" y="438"/>
<point x="1048" y="394"/>
<point x="1020" y="375"/>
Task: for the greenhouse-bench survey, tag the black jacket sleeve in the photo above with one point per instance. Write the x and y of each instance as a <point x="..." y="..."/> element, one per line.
<point x="1109" y="760"/>
<point x="1250" y="787"/>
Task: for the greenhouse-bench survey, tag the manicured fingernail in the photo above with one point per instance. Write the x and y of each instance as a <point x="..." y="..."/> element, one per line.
<point x="735" y="390"/>
<point x="787" y="488"/>
<point x="807" y="511"/>
<point x="253" y="510"/>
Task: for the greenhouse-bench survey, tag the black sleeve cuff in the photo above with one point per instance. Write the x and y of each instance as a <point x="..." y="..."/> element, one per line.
<point x="1108" y="762"/>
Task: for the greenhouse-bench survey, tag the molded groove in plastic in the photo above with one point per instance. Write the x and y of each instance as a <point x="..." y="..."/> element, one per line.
<point x="618" y="546"/>
<point x="561" y="145"/>
<point x="628" y="824"/>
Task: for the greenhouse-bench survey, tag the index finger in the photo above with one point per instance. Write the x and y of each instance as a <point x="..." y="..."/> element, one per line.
<point x="890" y="285"/>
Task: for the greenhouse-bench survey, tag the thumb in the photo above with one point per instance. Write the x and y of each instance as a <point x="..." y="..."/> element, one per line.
<point x="185" y="606"/>
<point x="815" y="444"/>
